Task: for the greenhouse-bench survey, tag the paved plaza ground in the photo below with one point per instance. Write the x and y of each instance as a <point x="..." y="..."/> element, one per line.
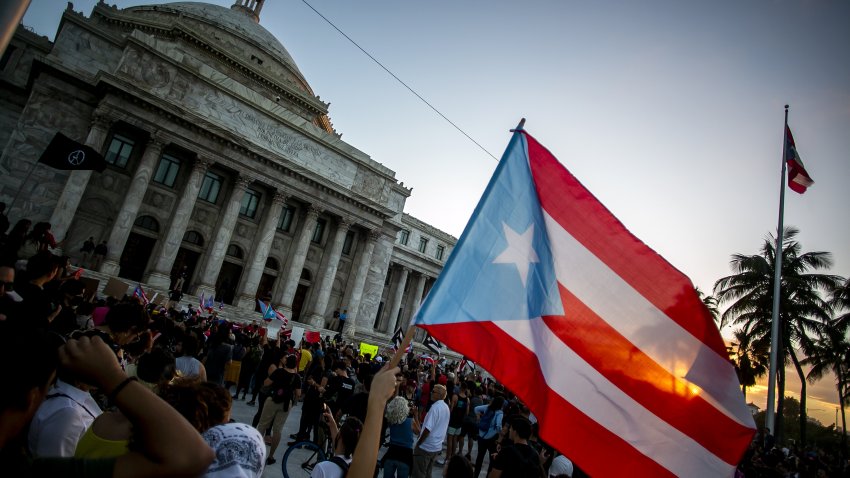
<point x="244" y="413"/>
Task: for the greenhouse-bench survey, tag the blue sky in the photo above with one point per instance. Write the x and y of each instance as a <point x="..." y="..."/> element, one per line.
<point x="670" y="112"/>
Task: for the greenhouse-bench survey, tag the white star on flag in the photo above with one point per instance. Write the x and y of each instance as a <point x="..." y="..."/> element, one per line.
<point x="519" y="252"/>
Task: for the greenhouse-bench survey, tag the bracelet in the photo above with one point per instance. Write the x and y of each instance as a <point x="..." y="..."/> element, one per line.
<point x="114" y="393"/>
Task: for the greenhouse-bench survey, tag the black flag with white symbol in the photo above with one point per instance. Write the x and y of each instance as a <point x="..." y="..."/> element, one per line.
<point x="432" y="344"/>
<point x="65" y="153"/>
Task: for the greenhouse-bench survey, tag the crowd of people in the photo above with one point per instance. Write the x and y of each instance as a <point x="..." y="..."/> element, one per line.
<point x="109" y="386"/>
<point x="118" y="387"/>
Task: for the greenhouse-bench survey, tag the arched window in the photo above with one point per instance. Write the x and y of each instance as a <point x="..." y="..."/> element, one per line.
<point x="271" y="263"/>
<point x="147" y="222"/>
<point x="193" y="237"/>
<point x="234" y="251"/>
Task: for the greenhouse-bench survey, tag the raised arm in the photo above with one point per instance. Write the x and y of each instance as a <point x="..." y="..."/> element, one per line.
<point x="170" y="446"/>
<point x="366" y="453"/>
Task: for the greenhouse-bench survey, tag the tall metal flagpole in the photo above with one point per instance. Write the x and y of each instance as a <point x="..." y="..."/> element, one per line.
<point x="775" y="346"/>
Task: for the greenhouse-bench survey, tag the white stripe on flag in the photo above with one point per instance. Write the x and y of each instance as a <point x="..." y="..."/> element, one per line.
<point x="644" y="325"/>
<point x="580" y="384"/>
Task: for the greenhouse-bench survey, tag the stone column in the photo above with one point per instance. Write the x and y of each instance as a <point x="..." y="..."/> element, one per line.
<point x="361" y="271"/>
<point x="160" y="276"/>
<point x="418" y="296"/>
<point x="299" y="255"/>
<point x="132" y="202"/>
<point x="401" y="282"/>
<point x="221" y="239"/>
<point x="326" y="281"/>
<point x="260" y="253"/>
<point x="69" y="200"/>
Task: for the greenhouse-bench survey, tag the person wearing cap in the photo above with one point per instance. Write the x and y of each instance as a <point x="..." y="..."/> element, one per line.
<point x="561" y="466"/>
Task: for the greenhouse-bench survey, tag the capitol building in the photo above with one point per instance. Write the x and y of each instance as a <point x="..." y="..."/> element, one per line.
<point x="222" y="164"/>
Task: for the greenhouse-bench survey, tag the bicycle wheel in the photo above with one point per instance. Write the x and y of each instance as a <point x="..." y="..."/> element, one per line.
<point x="300" y="458"/>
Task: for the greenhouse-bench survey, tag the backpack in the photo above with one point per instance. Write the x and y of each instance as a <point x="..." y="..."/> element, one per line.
<point x="486" y="422"/>
<point x="338" y="461"/>
<point x="282" y="392"/>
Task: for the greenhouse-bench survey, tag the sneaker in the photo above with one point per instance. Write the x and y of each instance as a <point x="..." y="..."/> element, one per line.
<point x="270" y="461"/>
<point x="251" y="403"/>
<point x="440" y="462"/>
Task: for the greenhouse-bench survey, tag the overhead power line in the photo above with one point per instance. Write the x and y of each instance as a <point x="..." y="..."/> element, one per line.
<point x="399" y="80"/>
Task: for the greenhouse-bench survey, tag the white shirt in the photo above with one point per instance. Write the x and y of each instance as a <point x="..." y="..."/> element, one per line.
<point x="437" y="422"/>
<point x="61" y="420"/>
<point x="329" y="469"/>
<point x="188" y="366"/>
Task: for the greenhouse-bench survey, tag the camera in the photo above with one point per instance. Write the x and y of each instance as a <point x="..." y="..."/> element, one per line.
<point x="277" y="98"/>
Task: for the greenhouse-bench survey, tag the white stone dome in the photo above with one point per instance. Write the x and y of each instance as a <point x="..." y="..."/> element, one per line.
<point x="233" y="22"/>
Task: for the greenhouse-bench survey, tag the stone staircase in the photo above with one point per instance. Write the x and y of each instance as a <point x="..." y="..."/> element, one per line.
<point x="237" y="314"/>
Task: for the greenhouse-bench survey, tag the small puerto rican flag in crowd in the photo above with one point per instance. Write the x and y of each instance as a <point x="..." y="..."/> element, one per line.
<point x="139" y="293"/>
<point x="466" y="363"/>
<point x="266" y="310"/>
<point x="279" y="316"/>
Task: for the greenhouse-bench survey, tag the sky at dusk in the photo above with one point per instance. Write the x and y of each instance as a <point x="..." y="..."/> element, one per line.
<point x="670" y="112"/>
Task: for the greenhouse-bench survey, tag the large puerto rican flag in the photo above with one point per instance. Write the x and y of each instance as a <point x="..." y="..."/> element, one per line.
<point x="607" y="343"/>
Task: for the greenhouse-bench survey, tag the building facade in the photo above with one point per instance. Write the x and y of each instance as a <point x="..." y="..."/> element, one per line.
<point x="223" y="166"/>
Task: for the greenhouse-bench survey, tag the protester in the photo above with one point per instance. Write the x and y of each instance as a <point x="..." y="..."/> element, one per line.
<point x="167" y="444"/>
<point x="432" y="433"/>
<point x="345" y="439"/>
<point x="285" y="391"/>
<point x="86" y="252"/>
<point x="459" y="409"/>
<point x="490" y="424"/>
<point x="398" y="461"/>
<point x="516" y="458"/>
<point x="63" y="417"/>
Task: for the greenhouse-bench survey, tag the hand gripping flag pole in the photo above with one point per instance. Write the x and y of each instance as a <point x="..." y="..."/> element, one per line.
<point x="592" y="329"/>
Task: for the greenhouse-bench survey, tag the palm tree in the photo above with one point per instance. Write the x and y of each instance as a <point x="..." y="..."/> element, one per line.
<point x="831" y="352"/>
<point x="710" y="303"/>
<point x="840" y="300"/>
<point x="803" y="312"/>
<point x="751" y="357"/>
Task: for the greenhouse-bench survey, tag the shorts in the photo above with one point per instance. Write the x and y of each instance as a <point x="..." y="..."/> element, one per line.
<point x="453" y="431"/>
<point x="273" y="417"/>
<point x="469" y="429"/>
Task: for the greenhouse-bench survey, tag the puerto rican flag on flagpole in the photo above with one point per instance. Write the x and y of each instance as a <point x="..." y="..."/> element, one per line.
<point x="798" y="179"/>
<point x="606" y="342"/>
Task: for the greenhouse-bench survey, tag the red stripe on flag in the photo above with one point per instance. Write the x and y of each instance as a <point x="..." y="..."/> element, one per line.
<point x="564" y="198"/>
<point x="561" y="424"/>
<point x="636" y="374"/>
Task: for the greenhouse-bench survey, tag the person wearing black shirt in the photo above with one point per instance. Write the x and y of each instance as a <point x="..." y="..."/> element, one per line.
<point x="517" y="459"/>
<point x="285" y="385"/>
<point x="340" y="389"/>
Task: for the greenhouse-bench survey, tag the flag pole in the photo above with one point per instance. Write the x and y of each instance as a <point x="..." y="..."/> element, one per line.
<point x="775" y="346"/>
